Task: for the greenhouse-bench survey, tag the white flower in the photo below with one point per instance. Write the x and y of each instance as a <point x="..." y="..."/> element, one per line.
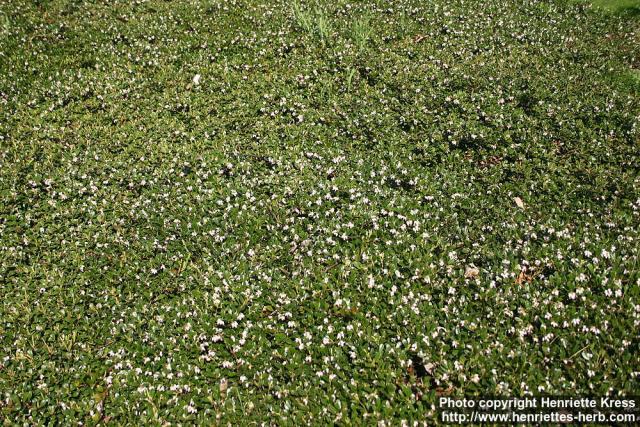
<point x="196" y="79"/>
<point x="371" y="282"/>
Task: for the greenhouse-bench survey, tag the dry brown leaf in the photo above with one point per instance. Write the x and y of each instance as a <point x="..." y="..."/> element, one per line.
<point x="440" y="391"/>
<point x="471" y="271"/>
<point x="519" y="202"/>
<point x="523" y="278"/>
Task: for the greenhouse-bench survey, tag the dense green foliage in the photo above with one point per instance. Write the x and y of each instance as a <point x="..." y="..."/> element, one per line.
<point x="250" y="210"/>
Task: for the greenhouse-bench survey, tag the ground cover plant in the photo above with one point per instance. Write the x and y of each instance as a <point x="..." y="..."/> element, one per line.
<point x="248" y="211"/>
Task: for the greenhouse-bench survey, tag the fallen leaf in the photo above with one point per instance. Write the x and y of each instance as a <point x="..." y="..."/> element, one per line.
<point x="441" y="391"/>
<point x="519" y="202"/>
<point x="471" y="271"/>
<point x="522" y="278"/>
